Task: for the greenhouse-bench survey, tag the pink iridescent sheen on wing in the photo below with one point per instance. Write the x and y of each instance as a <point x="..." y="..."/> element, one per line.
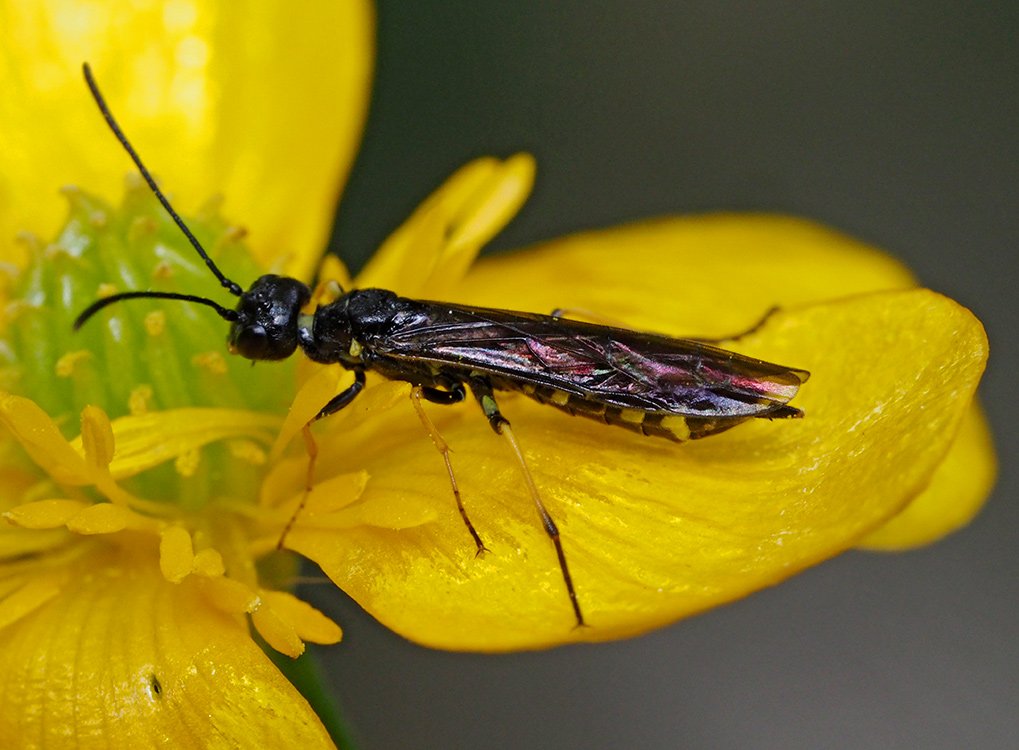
<point x="614" y="366"/>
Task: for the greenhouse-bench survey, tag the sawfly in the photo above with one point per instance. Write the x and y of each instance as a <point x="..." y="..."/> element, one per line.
<point x="679" y="389"/>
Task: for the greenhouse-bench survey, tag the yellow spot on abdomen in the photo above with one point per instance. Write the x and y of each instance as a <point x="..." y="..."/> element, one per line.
<point x="677" y="426"/>
<point x="632" y="416"/>
<point x="560" y="398"/>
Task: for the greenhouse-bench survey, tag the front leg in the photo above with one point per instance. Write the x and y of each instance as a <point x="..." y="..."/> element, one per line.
<point x="337" y="402"/>
<point x="342" y="399"/>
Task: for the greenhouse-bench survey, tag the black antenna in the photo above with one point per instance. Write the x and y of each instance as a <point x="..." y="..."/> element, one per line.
<point x="99" y="304"/>
<point x="229" y="285"/>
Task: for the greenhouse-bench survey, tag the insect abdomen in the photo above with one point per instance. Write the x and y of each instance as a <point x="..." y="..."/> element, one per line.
<point x="657" y="424"/>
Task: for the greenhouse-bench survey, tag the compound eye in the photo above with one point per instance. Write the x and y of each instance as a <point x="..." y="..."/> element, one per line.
<point x="250" y="341"/>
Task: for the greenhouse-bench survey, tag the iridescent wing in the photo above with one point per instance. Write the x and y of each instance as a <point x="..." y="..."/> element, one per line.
<point x="614" y="366"/>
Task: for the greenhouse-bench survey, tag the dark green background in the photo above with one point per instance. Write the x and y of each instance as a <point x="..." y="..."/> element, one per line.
<point x="893" y="122"/>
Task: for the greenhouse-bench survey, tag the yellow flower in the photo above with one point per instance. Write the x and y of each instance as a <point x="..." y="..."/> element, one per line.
<point x="126" y="622"/>
<point x="147" y="477"/>
<point x="654" y="531"/>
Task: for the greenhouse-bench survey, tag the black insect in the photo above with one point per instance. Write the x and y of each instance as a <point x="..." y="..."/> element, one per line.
<point x="678" y="389"/>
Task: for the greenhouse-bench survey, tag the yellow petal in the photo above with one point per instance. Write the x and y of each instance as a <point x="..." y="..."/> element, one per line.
<point x="17" y="545"/>
<point x="715" y="275"/>
<point x="213" y="97"/>
<point x="230" y="596"/>
<point x="101" y="518"/>
<point x="308" y="622"/>
<point x="125" y="659"/>
<point x="329" y="495"/>
<point x="149" y="439"/>
<point x="956" y="493"/>
<point x="96" y="437"/>
<point x="18" y="481"/>
<point x="711" y="275"/>
<point x="45" y="514"/>
<point x="277" y="631"/>
<point x="332" y="269"/>
<point x="656" y="531"/>
<point x="311" y="397"/>
<point x="41" y="439"/>
<point x="28" y="598"/>
<point x="434" y="248"/>
<point x="410" y="512"/>
<point x="43" y="442"/>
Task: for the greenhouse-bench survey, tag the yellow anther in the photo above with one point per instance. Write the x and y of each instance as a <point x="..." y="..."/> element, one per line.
<point x="208" y="563"/>
<point x="65" y="365"/>
<point x="187" y="463"/>
<point x="247" y="450"/>
<point x="155" y="322"/>
<point x="163" y="270"/>
<point x="141" y="227"/>
<point x="140" y="399"/>
<point x="176" y="554"/>
<point x="97" y="437"/>
<point x="210" y="362"/>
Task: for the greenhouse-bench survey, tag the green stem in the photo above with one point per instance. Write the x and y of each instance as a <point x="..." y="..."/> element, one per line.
<point x="304" y="674"/>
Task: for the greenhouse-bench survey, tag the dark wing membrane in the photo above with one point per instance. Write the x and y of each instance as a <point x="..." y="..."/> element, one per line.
<point x="614" y="366"/>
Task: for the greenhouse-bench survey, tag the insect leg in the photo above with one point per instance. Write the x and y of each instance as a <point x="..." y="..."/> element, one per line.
<point x="589" y="315"/>
<point x="452" y="396"/>
<point x="342" y="399"/>
<point x="336" y="403"/>
<point x="582" y="313"/>
<point x="482" y="391"/>
<point x="742" y="334"/>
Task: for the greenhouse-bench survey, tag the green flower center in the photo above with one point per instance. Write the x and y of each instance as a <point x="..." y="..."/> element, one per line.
<point x="139" y="356"/>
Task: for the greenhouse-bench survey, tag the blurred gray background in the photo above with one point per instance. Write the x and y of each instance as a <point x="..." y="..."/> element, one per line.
<point x="894" y="122"/>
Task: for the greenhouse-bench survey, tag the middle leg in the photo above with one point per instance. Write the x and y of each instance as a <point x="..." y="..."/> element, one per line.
<point x="452" y="396"/>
